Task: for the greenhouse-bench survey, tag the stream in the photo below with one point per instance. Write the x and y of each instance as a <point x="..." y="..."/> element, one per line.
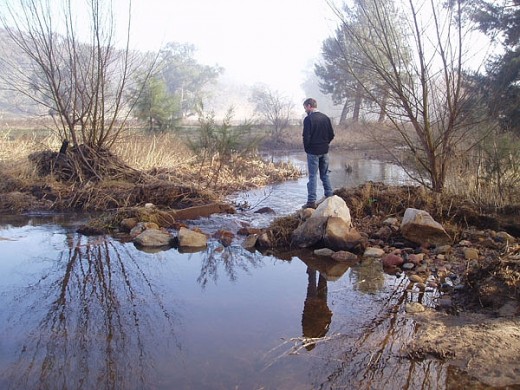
<point x="97" y="313"/>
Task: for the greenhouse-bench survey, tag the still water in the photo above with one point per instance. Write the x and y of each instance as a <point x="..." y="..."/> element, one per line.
<point x="98" y="313"/>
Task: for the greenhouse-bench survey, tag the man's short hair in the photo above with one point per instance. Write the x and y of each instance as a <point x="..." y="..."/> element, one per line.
<point x="310" y="101"/>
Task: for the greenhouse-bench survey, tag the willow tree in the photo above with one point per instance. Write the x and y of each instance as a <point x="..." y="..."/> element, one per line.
<point x="78" y="67"/>
<point x="422" y="76"/>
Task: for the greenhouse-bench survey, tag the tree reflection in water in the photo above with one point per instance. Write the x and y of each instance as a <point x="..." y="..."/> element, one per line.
<point x="96" y="321"/>
<point x="231" y="258"/>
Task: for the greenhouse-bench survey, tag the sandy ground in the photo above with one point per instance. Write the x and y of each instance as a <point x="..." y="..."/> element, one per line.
<point x="487" y="349"/>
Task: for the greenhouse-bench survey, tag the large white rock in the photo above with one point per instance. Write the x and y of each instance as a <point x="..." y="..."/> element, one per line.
<point x="333" y="206"/>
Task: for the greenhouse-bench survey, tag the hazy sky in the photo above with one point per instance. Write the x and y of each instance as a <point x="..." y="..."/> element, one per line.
<point x="269" y="41"/>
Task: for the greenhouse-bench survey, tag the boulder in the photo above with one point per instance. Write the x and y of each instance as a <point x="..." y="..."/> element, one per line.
<point x="419" y="227"/>
<point x="190" y="238"/>
<point x="310" y="232"/>
<point x="339" y="235"/>
<point x="333" y="206"/>
<point x="153" y="238"/>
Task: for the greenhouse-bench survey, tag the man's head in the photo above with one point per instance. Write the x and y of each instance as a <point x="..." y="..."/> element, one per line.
<point x="310" y="105"/>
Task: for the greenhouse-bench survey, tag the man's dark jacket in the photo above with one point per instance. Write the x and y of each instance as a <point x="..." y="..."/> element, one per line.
<point x="317" y="133"/>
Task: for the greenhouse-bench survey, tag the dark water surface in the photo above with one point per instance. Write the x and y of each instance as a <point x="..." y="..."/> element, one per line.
<point x="98" y="313"/>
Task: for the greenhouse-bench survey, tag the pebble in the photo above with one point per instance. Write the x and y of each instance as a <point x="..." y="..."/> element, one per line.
<point x="408" y="266"/>
<point x="414" y="307"/>
<point x="416" y="279"/>
<point x="373" y="252"/>
<point x="470" y="253"/>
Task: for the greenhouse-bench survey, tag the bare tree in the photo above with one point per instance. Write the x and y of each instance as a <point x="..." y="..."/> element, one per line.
<point x="75" y="69"/>
<point x="275" y="108"/>
<point x="423" y="78"/>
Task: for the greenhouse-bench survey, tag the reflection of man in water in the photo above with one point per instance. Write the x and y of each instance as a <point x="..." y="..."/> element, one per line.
<point x="316" y="316"/>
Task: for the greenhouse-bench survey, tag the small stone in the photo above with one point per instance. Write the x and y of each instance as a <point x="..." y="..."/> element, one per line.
<point x="505" y="237"/>
<point x="408" y="266"/>
<point x="471" y="253"/>
<point x="414" y="307"/>
<point x="373" y="252"/>
<point x="250" y="241"/>
<point x="416" y="258"/>
<point x="416" y="279"/>
<point x="443" y="249"/>
<point x="391" y="221"/>
<point x="390" y="260"/>
<point x="326" y="252"/>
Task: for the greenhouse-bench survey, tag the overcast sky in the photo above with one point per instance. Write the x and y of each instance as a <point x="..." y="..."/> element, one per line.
<point x="269" y="41"/>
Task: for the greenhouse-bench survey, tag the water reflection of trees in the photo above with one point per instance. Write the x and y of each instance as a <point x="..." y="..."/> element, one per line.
<point x="231" y="260"/>
<point x="97" y="311"/>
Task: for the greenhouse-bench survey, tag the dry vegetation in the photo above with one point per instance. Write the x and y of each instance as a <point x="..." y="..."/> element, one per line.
<point x="140" y="169"/>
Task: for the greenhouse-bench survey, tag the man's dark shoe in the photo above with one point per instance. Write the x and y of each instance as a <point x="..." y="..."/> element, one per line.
<point x="309" y="205"/>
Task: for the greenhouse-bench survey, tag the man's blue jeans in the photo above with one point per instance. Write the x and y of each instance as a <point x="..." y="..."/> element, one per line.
<point x="315" y="164"/>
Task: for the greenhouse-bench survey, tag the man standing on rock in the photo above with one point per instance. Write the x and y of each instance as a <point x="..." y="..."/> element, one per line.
<point x="317" y="135"/>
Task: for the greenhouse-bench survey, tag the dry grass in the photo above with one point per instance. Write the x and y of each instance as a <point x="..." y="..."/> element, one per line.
<point x="160" y="169"/>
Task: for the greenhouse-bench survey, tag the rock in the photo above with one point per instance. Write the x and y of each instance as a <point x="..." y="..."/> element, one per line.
<point x="418" y="226"/>
<point x="416" y="279"/>
<point x="344" y="256"/>
<point x="250" y="241"/>
<point x="392" y="260"/>
<point x="408" y="266"/>
<point x="443" y="249"/>
<point x="141" y="227"/>
<point x="264" y="241"/>
<point x="333" y="206"/>
<point x="384" y="232"/>
<point x="153" y="238"/>
<point x="470" y="253"/>
<point x="309" y="233"/>
<point x="128" y="224"/>
<point x="196" y="212"/>
<point x="265" y="210"/>
<point x="414" y="307"/>
<point x="246" y="231"/>
<point x="416" y="258"/>
<point x="339" y="236"/>
<point x="191" y="239"/>
<point x="305" y="214"/>
<point x="391" y="221"/>
<point x="224" y="237"/>
<point x="505" y="237"/>
<point x="326" y="252"/>
<point x="373" y="252"/>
